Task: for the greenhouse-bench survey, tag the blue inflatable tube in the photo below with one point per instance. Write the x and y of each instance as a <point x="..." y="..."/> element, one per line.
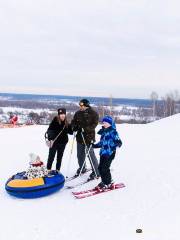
<point x="21" y="187"/>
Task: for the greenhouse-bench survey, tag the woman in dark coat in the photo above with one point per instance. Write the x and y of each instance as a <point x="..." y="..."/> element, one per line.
<point x="58" y="134"/>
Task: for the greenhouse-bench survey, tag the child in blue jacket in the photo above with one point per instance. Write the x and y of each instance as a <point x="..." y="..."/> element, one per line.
<point x="108" y="143"/>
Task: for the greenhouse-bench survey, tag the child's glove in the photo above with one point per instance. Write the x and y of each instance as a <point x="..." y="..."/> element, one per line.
<point x="93" y="145"/>
<point x="119" y="143"/>
<point x="97" y="145"/>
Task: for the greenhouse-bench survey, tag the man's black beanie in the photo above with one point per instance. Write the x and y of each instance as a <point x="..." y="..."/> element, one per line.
<point x="85" y="102"/>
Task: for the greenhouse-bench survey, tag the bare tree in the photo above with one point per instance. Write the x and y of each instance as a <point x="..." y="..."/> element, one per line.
<point x="154" y="98"/>
<point x="101" y="110"/>
<point x="34" y="117"/>
<point x="110" y="104"/>
<point x="171" y="99"/>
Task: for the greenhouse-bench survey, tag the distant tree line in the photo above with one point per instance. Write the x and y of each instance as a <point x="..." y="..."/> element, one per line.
<point x="160" y="108"/>
<point x="167" y="105"/>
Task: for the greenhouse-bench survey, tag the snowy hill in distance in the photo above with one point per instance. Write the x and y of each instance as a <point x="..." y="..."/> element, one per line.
<point x="148" y="163"/>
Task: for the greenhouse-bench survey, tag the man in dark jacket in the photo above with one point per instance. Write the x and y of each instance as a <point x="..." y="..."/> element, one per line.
<point x="84" y="122"/>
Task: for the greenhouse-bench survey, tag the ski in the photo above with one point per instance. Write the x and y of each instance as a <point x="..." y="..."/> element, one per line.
<point x="93" y="191"/>
<point x="79" y="184"/>
<point x="68" y="179"/>
<point x="116" y="185"/>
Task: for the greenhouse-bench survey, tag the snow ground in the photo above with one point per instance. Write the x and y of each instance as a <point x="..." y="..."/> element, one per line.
<point x="148" y="163"/>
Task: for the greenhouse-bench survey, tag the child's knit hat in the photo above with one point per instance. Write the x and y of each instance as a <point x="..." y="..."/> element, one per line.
<point x="108" y="119"/>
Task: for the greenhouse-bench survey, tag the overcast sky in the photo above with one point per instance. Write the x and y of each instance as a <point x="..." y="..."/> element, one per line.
<point x="123" y="48"/>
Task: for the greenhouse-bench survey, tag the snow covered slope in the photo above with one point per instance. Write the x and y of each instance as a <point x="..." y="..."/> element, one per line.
<point x="149" y="165"/>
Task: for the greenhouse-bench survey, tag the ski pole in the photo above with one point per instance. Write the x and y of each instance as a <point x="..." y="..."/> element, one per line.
<point x="88" y="152"/>
<point x="70" y="156"/>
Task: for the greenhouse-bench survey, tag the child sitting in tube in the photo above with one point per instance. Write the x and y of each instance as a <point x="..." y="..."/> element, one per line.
<point x="36" y="168"/>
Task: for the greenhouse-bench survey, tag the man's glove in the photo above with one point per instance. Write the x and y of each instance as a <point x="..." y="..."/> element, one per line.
<point x="75" y="128"/>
